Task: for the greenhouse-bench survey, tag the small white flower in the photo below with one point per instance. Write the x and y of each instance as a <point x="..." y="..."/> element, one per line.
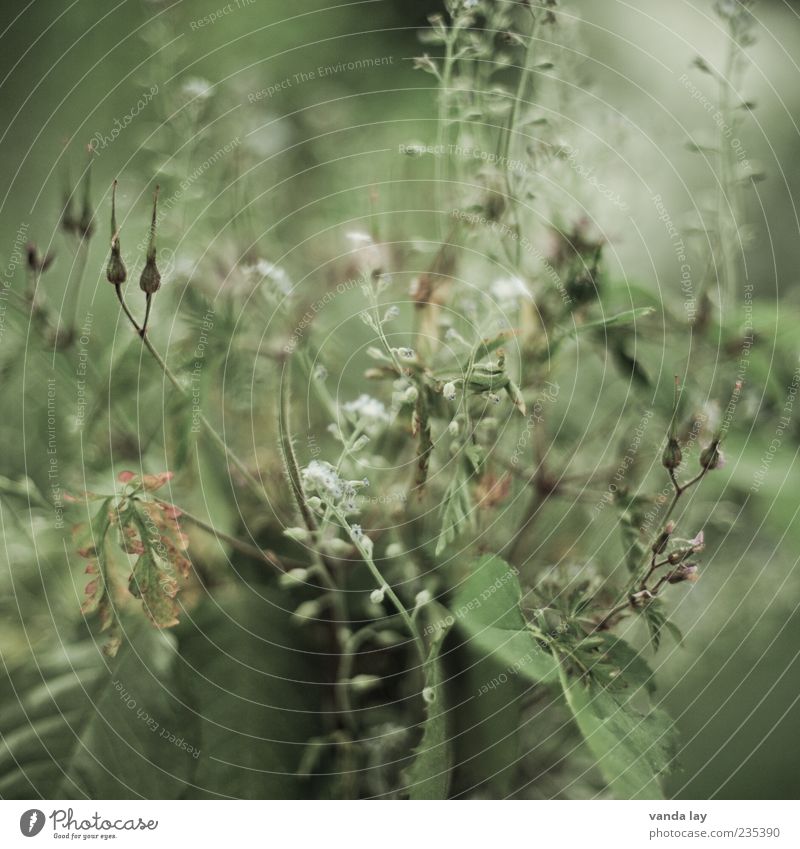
<point x="322" y="478"/>
<point x="376" y="596"/>
<point x="369" y="257"/>
<point x="361" y="442"/>
<point x="294" y="577"/>
<point x="368" y="410"/>
<point x="422" y="598"/>
<point x="509" y="291"/>
<point x="453" y="428"/>
<point x="197" y="87"/>
<point x="429" y="695"/>
<point x="410" y="395"/>
<point x="449" y="391"/>
<point x="263" y="269"/>
<point x="406" y="353"/>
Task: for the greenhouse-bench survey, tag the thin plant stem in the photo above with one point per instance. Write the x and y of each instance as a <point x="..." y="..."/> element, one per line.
<point x="211" y="431"/>
<point x="679" y="490"/>
<point x="384" y="586"/>
<point x="234" y="542"/>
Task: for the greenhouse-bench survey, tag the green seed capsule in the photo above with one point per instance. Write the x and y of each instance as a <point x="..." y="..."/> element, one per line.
<point x="116" y="272"/>
<point x="711" y="457"/>
<point x="150" y="281"/>
<point x="672" y="456"/>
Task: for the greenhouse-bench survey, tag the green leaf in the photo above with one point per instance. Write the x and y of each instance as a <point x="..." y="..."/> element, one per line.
<point x="486" y="608"/>
<point x="657" y="623"/>
<point x="634" y="671"/>
<point x="429" y="776"/>
<point x="633" y="750"/>
<point x="154" y="583"/>
<point x="261" y="694"/>
<point x="483" y="722"/>
<point x="489" y="655"/>
<point x="75" y="725"/>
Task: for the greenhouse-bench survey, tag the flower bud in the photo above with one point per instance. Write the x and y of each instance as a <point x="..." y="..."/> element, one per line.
<point x="376" y="596"/>
<point x="711" y="457"/>
<point x="641" y="599"/>
<point x="293" y="577"/>
<point x="449" y="391"/>
<point x="684" y="572"/>
<point x="115" y="270"/>
<point x="150" y="281"/>
<point x="663" y="538"/>
<point x="671" y="458"/>
<point x="678" y="555"/>
<point x="422" y="598"/>
<point x="36" y="263"/>
<point x="69" y="221"/>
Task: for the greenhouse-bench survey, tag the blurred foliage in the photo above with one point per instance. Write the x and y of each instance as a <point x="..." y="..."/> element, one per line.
<point x="262" y="174"/>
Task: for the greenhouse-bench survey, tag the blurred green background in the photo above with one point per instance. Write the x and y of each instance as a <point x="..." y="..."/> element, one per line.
<point x="70" y="71"/>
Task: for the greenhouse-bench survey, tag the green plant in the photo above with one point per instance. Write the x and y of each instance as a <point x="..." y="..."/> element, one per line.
<point x="426" y="621"/>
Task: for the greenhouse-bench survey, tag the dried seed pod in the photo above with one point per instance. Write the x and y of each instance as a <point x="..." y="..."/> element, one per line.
<point x="115" y="270"/>
<point x="663" y="538"/>
<point x="150" y="280"/>
<point x="69" y="221"/>
<point x="672" y="456"/>
<point x="37" y="263"/>
<point x="711" y="457"/>
<point x="685" y="572"/>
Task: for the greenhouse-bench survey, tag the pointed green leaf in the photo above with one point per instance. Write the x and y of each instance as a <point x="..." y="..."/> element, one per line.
<point x="429" y="776"/>
<point x="486" y="608"/>
<point x="633" y="750"/>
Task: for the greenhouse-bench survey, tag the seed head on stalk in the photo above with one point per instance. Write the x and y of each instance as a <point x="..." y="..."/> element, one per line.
<point x="116" y="272"/>
<point x="150" y="280"/>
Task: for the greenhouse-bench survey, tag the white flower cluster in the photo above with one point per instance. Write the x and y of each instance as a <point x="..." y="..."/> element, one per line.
<point x="325" y="486"/>
<point x="264" y="270"/>
<point x="509" y="292"/>
<point x="368" y="411"/>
